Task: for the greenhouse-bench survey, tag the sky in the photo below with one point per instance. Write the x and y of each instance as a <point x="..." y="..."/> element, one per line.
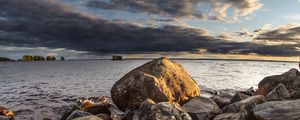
<point x="95" y="28"/>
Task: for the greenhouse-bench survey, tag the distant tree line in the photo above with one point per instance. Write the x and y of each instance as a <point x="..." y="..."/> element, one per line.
<point x="28" y="58"/>
<point x="5" y="59"/>
<point x="39" y="58"/>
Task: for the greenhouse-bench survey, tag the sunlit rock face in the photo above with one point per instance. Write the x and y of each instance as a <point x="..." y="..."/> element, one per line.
<point x="160" y="80"/>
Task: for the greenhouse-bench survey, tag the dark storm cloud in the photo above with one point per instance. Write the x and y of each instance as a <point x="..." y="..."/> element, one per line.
<point x="284" y="33"/>
<point x="46" y="23"/>
<point x="183" y="8"/>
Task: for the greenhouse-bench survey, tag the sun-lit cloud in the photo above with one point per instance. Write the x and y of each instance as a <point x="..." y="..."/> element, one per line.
<point x="184" y="8"/>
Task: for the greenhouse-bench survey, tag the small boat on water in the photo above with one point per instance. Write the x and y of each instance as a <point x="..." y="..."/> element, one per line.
<point x="117" y="57"/>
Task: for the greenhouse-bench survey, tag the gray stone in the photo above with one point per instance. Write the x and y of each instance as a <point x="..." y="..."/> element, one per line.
<point x="238" y="97"/>
<point x="201" y="108"/>
<point x="222" y="99"/>
<point x="90" y="117"/>
<point x="103" y="116"/>
<point x="67" y="110"/>
<point x="279" y="93"/>
<point x="244" y="106"/>
<point x="249" y="92"/>
<point x="4" y="118"/>
<point x="231" y="116"/>
<point x="77" y="114"/>
<point x="278" y="110"/>
<point x="149" y="110"/>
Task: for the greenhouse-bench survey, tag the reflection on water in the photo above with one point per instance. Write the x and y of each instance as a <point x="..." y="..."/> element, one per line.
<point x="37" y="90"/>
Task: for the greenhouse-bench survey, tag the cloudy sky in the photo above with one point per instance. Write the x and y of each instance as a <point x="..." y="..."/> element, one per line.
<point x="92" y="28"/>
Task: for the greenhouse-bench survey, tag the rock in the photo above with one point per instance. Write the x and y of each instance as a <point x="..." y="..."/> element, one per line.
<point x="249" y="92"/>
<point x="160" y="80"/>
<point x="245" y="106"/>
<point x="269" y="83"/>
<point x="102" y="105"/>
<point x="129" y="112"/>
<point x="220" y="101"/>
<point x="5" y="118"/>
<point x="116" y="114"/>
<point x="8" y="113"/>
<point x="278" y="110"/>
<point x="90" y="117"/>
<point x="279" y="93"/>
<point x="96" y="107"/>
<point x="77" y="114"/>
<point x="149" y="110"/>
<point x="201" y="108"/>
<point x="66" y="111"/>
<point x="231" y="116"/>
<point x="295" y="94"/>
<point x="104" y="116"/>
<point x="296" y="83"/>
<point x="238" y="97"/>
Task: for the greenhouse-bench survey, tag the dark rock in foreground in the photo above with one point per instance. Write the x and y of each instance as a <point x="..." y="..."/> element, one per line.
<point x="269" y="83"/>
<point x="149" y="110"/>
<point x="222" y="99"/>
<point x="90" y="117"/>
<point x="231" y="116"/>
<point x="160" y="80"/>
<point x="238" y="97"/>
<point x="278" y="110"/>
<point x="245" y="106"/>
<point x="201" y="108"/>
<point x="279" y="93"/>
<point x="78" y="114"/>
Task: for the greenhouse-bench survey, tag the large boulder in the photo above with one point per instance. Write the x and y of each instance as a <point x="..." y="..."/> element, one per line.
<point x="278" y="110"/>
<point x="245" y="106"/>
<point x="269" y="83"/>
<point x="149" y="110"/>
<point x="279" y="93"/>
<point x="201" y="108"/>
<point x="160" y="80"/>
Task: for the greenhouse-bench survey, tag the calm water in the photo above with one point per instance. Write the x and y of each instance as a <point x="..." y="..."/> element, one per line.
<point x="37" y="90"/>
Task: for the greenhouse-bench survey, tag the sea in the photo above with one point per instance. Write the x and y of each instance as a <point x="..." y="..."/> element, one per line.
<point x="41" y="90"/>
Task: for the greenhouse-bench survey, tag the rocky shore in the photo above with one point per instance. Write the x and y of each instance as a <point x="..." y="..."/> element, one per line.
<point x="162" y="90"/>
